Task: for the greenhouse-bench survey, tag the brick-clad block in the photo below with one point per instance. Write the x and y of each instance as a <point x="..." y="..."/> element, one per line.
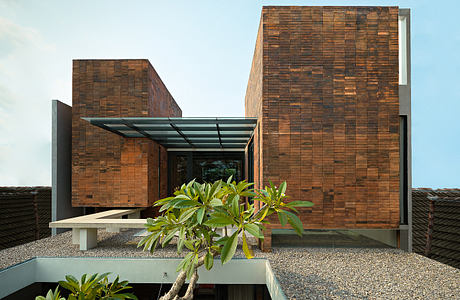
<point x="109" y="170"/>
<point x="324" y="84"/>
<point x="253" y="106"/>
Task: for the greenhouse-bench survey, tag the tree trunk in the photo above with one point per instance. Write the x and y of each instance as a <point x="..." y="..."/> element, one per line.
<point x="173" y="293"/>
<point x="191" y="286"/>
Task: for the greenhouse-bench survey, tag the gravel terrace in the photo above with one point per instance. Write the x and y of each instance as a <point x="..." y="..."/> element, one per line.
<point x="304" y="273"/>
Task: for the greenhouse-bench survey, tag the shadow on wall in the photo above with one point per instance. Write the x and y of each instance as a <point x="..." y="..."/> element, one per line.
<point x="325" y="238"/>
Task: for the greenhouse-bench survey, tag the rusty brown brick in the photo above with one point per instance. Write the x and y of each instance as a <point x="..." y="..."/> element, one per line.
<point x="109" y="170"/>
<point x="324" y="84"/>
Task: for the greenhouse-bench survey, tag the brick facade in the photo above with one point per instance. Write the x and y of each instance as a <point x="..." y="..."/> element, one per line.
<point x="108" y="170"/>
<point x="324" y="84"/>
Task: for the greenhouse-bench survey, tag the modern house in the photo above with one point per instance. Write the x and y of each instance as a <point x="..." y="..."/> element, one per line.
<point x="327" y="109"/>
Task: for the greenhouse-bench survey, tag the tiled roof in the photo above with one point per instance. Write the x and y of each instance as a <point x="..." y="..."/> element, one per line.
<point x="24" y="214"/>
<point x="446" y="228"/>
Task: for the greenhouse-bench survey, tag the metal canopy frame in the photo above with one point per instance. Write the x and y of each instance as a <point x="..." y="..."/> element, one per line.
<point x="183" y="133"/>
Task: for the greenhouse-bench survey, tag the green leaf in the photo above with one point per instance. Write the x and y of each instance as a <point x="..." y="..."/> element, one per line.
<point x="184" y="262"/>
<point x="180" y="240"/>
<point x="272" y="186"/>
<point x="229" y="248"/>
<point x="177" y="202"/>
<point x="67" y="286"/>
<point x="71" y="279"/>
<point x="293" y="209"/>
<point x="295" y="222"/>
<point x="50" y="295"/>
<point x="235" y="201"/>
<point x="300" y="204"/>
<point x="129" y="296"/>
<point x="83" y="278"/>
<point x="169" y="237"/>
<point x="282" y="189"/>
<point x="191" y="183"/>
<point x="216" y="202"/>
<point x="215" y="188"/>
<point x="185" y="204"/>
<point x="219" y="221"/>
<point x="189" y="245"/>
<point x="208" y="261"/>
<point x="221" y="241"/>
<point x="162" y="201"/>
<point x="200" y="214"/>
<point x="264" y="214"/>
<point x="102" y="276"/>
<point x="248" y="194"/>
<point x="182" y="196"/>
<point x="254" y="230"/>
<point x="282" y="217"/>
<point x="191" y="268"/>
<point x="187" y="214"/>
<point x="150" y="240"/>
<point x="246" y="249"/>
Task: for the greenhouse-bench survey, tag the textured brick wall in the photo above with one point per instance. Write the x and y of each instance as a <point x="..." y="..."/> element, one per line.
<point x="108" y="170"/>
<point x="330" y="111"/>
<point x="253" y="106"/>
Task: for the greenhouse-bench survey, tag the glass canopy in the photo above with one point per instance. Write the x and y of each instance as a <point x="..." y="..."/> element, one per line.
<point x="210" y="133"/>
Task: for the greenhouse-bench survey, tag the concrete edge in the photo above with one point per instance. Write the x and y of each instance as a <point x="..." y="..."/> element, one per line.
<point x="273" y="285"/>
<point x="135" y="270"/>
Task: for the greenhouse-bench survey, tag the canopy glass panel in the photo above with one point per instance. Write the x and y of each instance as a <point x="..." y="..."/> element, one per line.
<point x="211" y="133"/>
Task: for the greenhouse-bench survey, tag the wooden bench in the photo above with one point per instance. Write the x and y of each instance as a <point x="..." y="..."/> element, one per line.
<point x="84" y="228"/>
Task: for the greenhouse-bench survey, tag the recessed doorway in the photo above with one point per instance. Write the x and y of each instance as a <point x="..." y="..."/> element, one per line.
<point x="203" y="167"/>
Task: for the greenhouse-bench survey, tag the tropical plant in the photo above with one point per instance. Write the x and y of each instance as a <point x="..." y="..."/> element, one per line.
<point x="92" y="287"/>
<point x="51" y="295"/>
<point x="200" y="216"/>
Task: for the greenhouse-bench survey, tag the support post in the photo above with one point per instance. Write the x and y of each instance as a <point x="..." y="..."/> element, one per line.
<point x="88" y="238"/>
<point x="75" y="236"/>
<point x="135" y="215"/>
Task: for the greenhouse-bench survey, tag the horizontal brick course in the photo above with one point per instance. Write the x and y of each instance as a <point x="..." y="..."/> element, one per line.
<point x="108" y="170"/>
<point x="324" y="83"/>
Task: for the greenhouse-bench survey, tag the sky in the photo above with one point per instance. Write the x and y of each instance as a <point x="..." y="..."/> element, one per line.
<point x="203" y="51"/>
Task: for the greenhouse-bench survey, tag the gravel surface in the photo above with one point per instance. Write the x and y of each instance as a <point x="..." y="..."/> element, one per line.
<point x="304" y="273"/>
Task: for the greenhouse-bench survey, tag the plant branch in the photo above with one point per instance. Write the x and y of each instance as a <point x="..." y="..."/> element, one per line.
<point x="173" y="293"/>
<point x="261" y="209"/>
<point x="191" y="286"/>
<point x="175" y="289"/>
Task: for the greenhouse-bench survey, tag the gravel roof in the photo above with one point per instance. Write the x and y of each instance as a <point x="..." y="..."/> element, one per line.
<point x="304" y="273"/>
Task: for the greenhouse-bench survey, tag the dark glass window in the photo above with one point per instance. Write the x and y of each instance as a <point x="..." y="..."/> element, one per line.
<point x="203" y="167"/>
<point x="403" y="172"/>
<point x="251" y="162"/>
<point x="211" y="169"/>
<point x="178" y="171"/>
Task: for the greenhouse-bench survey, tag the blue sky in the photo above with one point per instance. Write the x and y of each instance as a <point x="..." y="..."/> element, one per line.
<point x="203" y="52"/>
